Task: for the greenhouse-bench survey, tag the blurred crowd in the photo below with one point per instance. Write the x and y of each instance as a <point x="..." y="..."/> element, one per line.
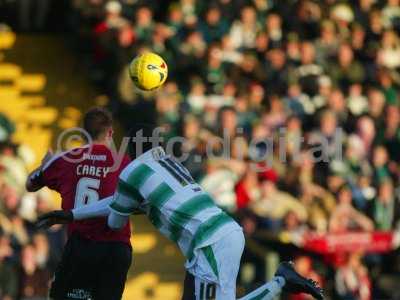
<point x="296" y="101"/>
<point x="28" y="257"/>
<point x="325" y="73"/>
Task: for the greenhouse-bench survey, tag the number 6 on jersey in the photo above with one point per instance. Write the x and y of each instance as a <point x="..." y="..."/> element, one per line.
<point x="86" y="191"/>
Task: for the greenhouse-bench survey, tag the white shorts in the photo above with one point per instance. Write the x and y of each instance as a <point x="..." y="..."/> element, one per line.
<point x="213" y="275"/>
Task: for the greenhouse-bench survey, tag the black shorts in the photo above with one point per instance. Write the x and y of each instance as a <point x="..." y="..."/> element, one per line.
<point x="91" y="270"/>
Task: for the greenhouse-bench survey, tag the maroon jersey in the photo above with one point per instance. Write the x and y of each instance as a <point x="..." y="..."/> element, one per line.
<point x="83" y="176"/>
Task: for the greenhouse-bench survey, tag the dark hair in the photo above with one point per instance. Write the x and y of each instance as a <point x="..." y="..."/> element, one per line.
<point x="224" y="109"/>
<point x="344" y="187"/>
<point x="96" y="121"/>
<point x="146" y="131"/>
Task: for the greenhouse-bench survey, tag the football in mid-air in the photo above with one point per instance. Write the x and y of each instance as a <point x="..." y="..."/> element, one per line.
<point x="148" y="71"/>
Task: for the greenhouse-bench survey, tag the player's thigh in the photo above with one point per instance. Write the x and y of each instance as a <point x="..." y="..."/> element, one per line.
<point x="215" y="270"/>
<point x="196" y="288"/>
<point x="73" y="277"/>
<point x="112" y="274"/>
<point x="188" y="287"/>
<point x="228" y="252"/>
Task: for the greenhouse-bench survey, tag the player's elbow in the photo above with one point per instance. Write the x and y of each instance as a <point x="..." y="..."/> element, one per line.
<point x="30" y="187"/>
<point x="34" y="181"/>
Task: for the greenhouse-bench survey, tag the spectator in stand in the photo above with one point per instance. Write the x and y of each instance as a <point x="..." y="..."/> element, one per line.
<point x="289" y="75"/>
<point x="391" y="14"/>
<point x="220" y="183"/>
<point x="352" y="280"/>
<point x="42" y="250"/>
<point x="319" y="204"/>
<point x="345" y="217"/>
<point x="388" y="54"/>
<point x="337" y="104"/>
<point x="346" y="70"/>
<point x="274" y="204"/>
<point x="243" y="32"/>
<point x="247" y="190"/>
<point x="326" y="44"/>
<point x="385" y="207"/>
<point x="325" y="135"/>
<point x="309" y="71"/>
<point x="376" y="105"/>
<point x="277" y="71"/>
<point x="357" y="103"/>
<point x="389" y="132"/>
<point x="273" y="28"/>
<point x="144" y="24"/>
<point x="362" y="10"/>
<point x="380" y="162"/>
<point x="366" y="130"/>
<point x="7" y="128"/>
<point x="8" y="275"/>
<point x="214" y="26"/>
<point x="34" y="282"/>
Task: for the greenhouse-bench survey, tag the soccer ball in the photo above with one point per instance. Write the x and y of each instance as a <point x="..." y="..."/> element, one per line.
<point x="148" y="71"/>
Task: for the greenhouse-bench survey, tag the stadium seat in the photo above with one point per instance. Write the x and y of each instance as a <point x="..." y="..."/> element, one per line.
<point x="43" y="115"/>
<point x="7" y="39"/>
<point x="9" y="71"/>
<point x="143" y="242"/>
<point x="31" y="82"/>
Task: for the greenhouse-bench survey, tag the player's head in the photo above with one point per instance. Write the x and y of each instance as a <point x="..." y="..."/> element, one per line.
<point x="142" y="138"/>
<point x="98" y="124"/>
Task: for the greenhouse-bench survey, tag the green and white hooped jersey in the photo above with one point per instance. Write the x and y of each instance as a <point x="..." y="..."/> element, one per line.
<point x="173" y="201"/>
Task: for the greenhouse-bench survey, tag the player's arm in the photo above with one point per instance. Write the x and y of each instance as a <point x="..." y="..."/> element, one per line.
<point x="94" y="210"/>
<point x="126" y="201"/>
<point x="118" y="208"/>
<point x="34" y="182"/>
<point x="121" y="208"/>
<point x="35" y="179"/>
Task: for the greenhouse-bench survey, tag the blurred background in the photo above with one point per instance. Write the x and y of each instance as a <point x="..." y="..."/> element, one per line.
<point x="246" y="68"/>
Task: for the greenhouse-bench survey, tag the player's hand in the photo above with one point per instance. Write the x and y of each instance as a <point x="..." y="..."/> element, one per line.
<point x="54" y="217"/>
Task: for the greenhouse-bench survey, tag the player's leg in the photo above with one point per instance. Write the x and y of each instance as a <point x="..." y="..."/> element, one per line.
<point x="223" y="258"/>
<point x="215" y="270"/>
<point x="288" y="279"/>
<point x="72" y="278"/>
<point x="228" y="253"/>
<point x="267" y="291"/>
<point x="189" y="287"/>
<point x="60" y="280"/>
<point x="112" y="275"/>
<point x="196" y="288"/>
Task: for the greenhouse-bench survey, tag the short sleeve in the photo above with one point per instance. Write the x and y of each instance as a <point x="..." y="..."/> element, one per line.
<point x="127" y="199"/>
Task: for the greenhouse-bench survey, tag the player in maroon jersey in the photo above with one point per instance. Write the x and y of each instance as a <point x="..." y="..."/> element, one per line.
<point x="96" y="259"/>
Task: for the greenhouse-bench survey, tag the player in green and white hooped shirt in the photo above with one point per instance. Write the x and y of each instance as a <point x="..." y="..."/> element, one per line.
<point x="212" y="242"/>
